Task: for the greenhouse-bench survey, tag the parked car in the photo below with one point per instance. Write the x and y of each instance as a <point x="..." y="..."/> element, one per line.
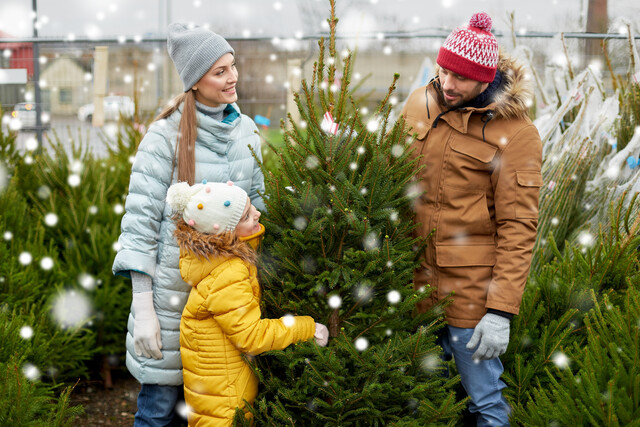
<point x="23" y="117"/>
<point x="113" y="107"/>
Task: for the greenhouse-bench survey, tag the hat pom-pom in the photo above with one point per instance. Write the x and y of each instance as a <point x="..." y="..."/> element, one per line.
<point x="481" y="20"/>
<point x="178" y="196"/>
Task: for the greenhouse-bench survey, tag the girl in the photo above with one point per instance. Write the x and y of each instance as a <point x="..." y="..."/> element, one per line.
<point x="201" y="135"/>
<point x="217" y="230"/>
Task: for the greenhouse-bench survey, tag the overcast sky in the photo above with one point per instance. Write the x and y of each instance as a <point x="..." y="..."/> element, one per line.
<point x="287" y="18"/>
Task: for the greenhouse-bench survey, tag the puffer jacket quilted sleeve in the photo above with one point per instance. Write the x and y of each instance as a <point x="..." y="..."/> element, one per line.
<point x="235" y="305"/>
<point x="257" y="182"/>
<point x="145" y="204"/>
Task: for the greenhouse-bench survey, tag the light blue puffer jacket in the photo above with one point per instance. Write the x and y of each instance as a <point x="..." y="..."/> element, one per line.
<point x="146" y="242"/>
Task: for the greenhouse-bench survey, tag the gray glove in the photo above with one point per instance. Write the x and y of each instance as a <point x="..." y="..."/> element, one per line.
<point x="146" y="328"/>
<point x="492" y="332"/>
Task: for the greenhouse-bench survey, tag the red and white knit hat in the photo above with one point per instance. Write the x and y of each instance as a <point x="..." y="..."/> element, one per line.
<point x="471" y="51"/>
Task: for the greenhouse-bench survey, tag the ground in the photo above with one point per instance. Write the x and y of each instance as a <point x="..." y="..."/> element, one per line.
<point x="109" y="407"/>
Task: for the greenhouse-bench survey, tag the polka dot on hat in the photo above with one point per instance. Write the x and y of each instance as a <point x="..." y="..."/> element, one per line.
<point x="209" y="207"/>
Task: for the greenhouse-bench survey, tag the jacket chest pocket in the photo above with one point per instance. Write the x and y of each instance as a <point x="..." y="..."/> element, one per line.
<point x="470" y="162"/>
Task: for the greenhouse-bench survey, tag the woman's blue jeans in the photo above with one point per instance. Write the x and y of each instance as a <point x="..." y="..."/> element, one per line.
<point x="480" y="379"/>
<point x="157" y="406"/>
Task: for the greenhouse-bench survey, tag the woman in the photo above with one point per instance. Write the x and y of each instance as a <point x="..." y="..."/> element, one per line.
<point x="201" y="135"/>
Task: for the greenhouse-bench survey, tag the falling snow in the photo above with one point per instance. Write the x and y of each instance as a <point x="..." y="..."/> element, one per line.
<point x="361" y="344"/>
<point x="26" y="332"/>
<point x="31" y="372"/>
<point x="300" y="223"/>
<point x="25" y="258"/>
<point x="46" y="263"/>
<point x="394" y="297"/>
<point x="71" y="309"/>
<point x="288" y="320"/>
<point x="335" y="301"/>
<point x="561" y="360"/>
<point x="87" y="281"/>
<point x="51" y="219"/>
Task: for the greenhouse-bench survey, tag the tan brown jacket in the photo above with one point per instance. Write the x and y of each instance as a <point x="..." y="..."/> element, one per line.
<point x="481" y="179"/>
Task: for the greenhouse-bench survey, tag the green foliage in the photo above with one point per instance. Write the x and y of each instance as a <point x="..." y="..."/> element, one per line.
<point x="32" y="403"/>
<point x="602" y="386"/>
<point x="561" y="321"/>
<point x="58" y="244"/>
<point x="334" y="229"/>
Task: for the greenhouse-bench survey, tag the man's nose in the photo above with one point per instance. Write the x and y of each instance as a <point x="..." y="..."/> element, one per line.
<point x="447" y="84"/>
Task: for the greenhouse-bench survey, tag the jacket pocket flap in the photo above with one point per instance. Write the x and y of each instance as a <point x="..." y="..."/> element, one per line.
<point x="529" y="178"/>
<point x="465" y="255"/>
<point x="478" y="150"/>
<point x="417" y="127"/>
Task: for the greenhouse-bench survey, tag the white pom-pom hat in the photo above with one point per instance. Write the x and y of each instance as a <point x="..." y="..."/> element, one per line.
<point x="212" y="207"/>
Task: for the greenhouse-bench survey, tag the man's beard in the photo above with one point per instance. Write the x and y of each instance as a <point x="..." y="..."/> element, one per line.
<point x="462" y="101"/>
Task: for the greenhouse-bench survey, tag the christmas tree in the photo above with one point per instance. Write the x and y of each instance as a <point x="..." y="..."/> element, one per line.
<point x="339" y="247"/>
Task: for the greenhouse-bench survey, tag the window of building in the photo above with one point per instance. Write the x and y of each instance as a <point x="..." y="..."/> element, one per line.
<point x="64" y="96"/>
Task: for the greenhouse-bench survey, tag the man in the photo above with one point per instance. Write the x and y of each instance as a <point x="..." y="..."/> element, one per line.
<point x="481" y="159"/>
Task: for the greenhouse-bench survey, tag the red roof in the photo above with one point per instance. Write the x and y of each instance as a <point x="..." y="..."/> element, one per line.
<point x="21" y="53"/>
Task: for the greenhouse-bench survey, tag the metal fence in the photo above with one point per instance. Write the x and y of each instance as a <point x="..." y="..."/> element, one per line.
<point x="269" y="68"/>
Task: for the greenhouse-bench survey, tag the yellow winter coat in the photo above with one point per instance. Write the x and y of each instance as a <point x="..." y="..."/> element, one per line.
<point x="221" y="322"/>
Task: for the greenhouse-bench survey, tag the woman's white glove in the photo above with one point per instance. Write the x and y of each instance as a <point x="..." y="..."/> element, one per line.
<point x="146" y="328"/>
<point x="322" y="335"/>
<point x="492" y="334"/>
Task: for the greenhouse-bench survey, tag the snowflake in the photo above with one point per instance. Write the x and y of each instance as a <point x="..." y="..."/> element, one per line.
<point x="361" y="344"/>
<point x="312" y="162"/>
<point x="335" y="301"/>
<point x="31" y="372"/>
<point x="25" y="258"/>
<point x="71" y="309"/>
<point x="44" y="192"/>
<point x="394" y="297"/>
<point x="300" y="223"/>
<point x="183" y="409"/>
<point x="26" y="332"/>
<point x="31" y="144"/>
<point x="372" y="125"/>
<point x="371" y="241"/>
<point x="431" y="363"/>
<point x="46" y="263"/>
<point x="51" y="219"/>
<point x="561" y="360"/>
<point x="87" y="281"/>
<point x="288" y="320"/>
<point x="73" y="180"/>
<point x="586" y="239"/>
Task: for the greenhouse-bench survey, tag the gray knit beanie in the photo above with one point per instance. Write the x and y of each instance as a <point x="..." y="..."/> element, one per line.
<point x="194" y="51"/>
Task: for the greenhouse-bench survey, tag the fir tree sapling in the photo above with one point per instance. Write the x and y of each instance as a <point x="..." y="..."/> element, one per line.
<point x="339" y="247"/>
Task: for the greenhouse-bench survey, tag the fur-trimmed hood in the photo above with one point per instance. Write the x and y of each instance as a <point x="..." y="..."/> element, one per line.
<point x="207" y="251"/>
<point x="516" y="93"/>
